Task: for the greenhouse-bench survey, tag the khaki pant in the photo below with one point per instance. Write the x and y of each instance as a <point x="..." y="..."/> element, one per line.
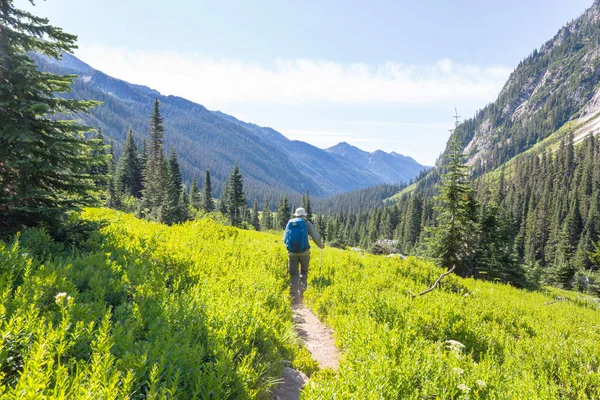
<point x="299" y="281"/>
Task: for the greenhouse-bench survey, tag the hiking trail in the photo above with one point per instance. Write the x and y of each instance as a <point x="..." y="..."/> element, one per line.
<point x="318" y="339"/>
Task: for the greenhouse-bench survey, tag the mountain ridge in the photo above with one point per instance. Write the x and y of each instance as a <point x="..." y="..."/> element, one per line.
<point x="206" y="139"/>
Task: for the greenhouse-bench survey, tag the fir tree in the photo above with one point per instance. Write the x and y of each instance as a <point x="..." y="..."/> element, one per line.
<point x="267" y="218"/>
<point x="195" y="199"/>
<point x="114" y="188"/>
<point x="453" y="240"/>
<point x="44" y="161"/>
<point x="172" y="211"/>
<point x="101" y="171"/>
<point x="129" y="168"/>
<point x="155" y="205"/>
<point x="255" y="221"/>
<point x="236" y="199"/>
<point x="207" y="200"/>
<point x="283" y="212"/>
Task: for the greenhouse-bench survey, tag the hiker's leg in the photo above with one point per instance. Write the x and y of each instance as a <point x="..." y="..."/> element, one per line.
<point x="293" y="268"/>
<point x="304" y="261"/>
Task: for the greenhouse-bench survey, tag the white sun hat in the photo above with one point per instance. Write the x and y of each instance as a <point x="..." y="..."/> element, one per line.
<point x="300" y="212"/>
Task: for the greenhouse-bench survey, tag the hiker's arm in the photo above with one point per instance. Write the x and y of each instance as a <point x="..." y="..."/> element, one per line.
<point x="314" y="234"/>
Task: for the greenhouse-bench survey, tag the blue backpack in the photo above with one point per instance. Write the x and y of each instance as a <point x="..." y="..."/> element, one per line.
<point x="296" y="236"/>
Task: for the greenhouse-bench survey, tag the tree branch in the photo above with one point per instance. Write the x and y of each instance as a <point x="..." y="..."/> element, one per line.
<point x="436" y="282"/>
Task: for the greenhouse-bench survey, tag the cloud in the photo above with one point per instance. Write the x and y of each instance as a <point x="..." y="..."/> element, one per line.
<point x="217" y="82"/>
<point x="402" y="124"/>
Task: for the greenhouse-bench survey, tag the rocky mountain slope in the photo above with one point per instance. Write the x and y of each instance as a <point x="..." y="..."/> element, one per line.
<point x="270" y="162"/>
<point x="556" y="84"/>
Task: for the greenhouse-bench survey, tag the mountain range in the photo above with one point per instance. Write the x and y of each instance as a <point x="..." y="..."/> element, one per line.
<point x="204" y="139"/>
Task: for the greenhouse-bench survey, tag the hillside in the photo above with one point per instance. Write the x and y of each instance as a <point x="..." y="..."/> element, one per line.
<point x="557" y="83"/>
<point x="143" y="310"/>
<point x="270" y="162"/>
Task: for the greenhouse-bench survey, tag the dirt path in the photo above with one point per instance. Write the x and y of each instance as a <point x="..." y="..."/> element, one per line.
<point x="318" y="339"/>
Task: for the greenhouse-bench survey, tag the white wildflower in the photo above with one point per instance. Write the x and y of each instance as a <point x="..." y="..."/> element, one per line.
<point x="455" y="345"/>
<point x="481" y="384"/>
<point x="61" y="297"/>
<point x="458" y="371"/>
<point x="464" y="388"/>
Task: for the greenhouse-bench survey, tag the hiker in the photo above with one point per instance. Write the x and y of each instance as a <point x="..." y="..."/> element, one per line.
<point x="295" y="238"/>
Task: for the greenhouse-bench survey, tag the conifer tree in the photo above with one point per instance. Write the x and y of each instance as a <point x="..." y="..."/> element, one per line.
<point x="283" y="212"/>
<point x="129" y="167"/>
<point x="114" y="188"/>
<point x="172" y="211"/>
<point x="207" y="201"/>
<point x="156" y="174"/>
<point x="195" y="199"/>
<point x="267" y="218"/>
<point x="255" y="221"/>
<point x="101" y="171"/>
<point x="223" y="200"/>
<point x="44" y="161"/>
<point x="236" y="199"/>
<point x="307" y="207"/>
<point x="453" y="240"/>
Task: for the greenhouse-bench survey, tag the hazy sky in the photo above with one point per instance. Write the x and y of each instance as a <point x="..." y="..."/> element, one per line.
<point x="377" y="74"/>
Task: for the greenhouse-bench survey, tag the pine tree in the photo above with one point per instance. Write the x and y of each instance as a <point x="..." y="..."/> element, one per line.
<point x="101" y="170"/>
<point x="306" y="205"/>
<point x="44" y="161"/>
<point x="207" y="201"/>
<point x="255" y="221"/>
<point x="236" y="199"/>
<point x="453" y="240"/>
<point x="172" y="211"/>
<point x="267" y="218"/>
<point x="129" y="168"/>
<point x="154" y="204"/>
<point x="195" y="199"/>
<point x="283" y="212"/>
<point x="114" y="188"/>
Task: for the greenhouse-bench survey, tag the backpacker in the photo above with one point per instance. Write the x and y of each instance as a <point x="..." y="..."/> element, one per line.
<point x="296" y="236"/>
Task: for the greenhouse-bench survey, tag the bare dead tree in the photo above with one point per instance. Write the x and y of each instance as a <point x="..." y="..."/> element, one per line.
<point x="436" y="282"/>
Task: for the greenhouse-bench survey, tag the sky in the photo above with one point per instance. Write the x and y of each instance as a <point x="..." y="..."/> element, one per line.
<point x="377" y="74"/>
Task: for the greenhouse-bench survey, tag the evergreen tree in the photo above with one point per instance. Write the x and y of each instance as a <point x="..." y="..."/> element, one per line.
<point x="306" y="205"/>
<point x="195" y="199"/>
<point x="453" y="240"/>
<point x="101" y="171"/>
<point x="129" y="168"/>
<point x="496" y="259"/>
<point x="44" y="161"/>
<point x="283" y="212"/>
<point x="255" y="217"/>
<point x="207" y="200"/>
<point x="236" y="199"/>
<point x="155" y="204"/>
<point x="172" y="210"/>
<point x="267" y="218"/>
<point x="114" y="188"/>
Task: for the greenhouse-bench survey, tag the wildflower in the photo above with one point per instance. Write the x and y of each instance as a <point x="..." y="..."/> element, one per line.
<point x="458" y="371"/>
<point x="464" y="388"/>
<point x="481" y="384"/>
<point x="59" y="298"/>
<point x="455" y="345"/>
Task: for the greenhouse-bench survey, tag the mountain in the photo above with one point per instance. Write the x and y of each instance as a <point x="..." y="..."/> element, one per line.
<point x="206" y="139"/>
<point x="555" y="85"/>
<point x="390" y="167"/>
